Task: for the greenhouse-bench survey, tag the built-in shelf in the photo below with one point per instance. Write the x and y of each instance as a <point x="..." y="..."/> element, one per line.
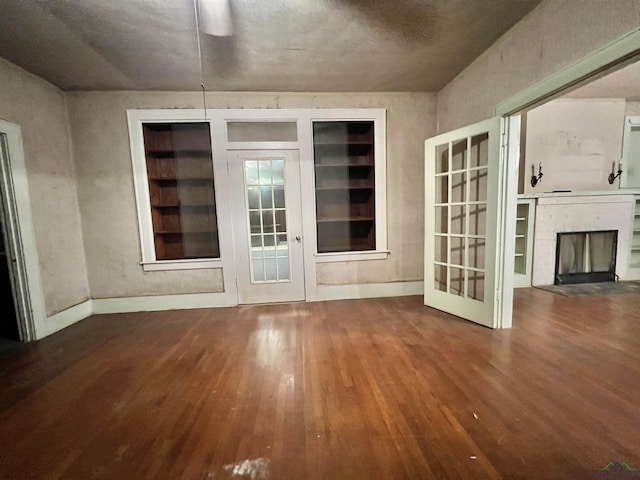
<point x="346" y="219"/>
<point x="345" y="185"/>
<point x="524" y="242"/>
<point x="181" y="179"/>
<point x="181" y="190"/>
<point x="634" y="254"/>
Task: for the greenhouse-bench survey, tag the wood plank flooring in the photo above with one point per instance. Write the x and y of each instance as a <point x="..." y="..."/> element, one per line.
<point x="356" y="389"/>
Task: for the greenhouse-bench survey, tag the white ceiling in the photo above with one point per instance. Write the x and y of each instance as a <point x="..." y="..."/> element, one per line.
<point x="280" y="45"/>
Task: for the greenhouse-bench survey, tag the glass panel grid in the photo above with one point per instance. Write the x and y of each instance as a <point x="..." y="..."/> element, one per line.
<point x="459" y="239"/>
<point x="266" y="212"/>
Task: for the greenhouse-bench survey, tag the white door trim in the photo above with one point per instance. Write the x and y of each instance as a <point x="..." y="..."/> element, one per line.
<point x="293" y="287"/>
<point x="599" y="62"/>
<point x="17" y="201"/>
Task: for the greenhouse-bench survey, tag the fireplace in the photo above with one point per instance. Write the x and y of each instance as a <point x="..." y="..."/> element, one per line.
<point x="586" y="257"/>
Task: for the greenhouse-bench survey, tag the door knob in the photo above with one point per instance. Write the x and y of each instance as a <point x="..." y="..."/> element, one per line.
<point x="298" y="238"/>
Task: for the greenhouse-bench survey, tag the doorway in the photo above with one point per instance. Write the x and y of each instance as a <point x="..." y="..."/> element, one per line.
<point x="9" y="322"/>
<point x="267" y="225"/>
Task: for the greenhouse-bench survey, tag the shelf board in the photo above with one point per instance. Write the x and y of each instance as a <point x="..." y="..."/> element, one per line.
<point x="520" y="219"/>
<point x="345" y="187"/>
<point x="181" y="257"/>
<point x="354" y="247"/>
<point x="350" y="165"/>
<point x="166" y="152"/>
<point x="343" y="143"/>
<point x="182" y="179"/>
<point x="345" y="219"/>
<point x="520" y="236"/>
<point x="180" y="232"/>
<point x="519" y="255"/>
<point x="183" y="205"/>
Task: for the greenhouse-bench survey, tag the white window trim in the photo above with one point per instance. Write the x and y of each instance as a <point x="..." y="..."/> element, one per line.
<point x="135" y="119"/>
<point x="379" y="118"/>
<point x="217" y="119"/>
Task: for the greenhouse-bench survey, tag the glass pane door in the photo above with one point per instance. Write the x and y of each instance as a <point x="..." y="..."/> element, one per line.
<point x="267" y="217"/>
<point x="461" y="206"/>
<point x="461" y="222"/>
<point x="267" y="225"/>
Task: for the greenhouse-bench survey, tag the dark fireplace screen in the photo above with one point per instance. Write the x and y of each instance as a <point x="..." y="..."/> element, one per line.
<point x="585" y="257"/>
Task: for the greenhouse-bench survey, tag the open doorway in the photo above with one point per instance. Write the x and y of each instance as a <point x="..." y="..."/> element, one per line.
<point x="9" y="331"/>
<point x="21" y="289"/>
<point x="578" y="181"/>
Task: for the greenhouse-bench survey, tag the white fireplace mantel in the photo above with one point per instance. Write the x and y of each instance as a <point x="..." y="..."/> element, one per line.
<point x="566" y="212"/>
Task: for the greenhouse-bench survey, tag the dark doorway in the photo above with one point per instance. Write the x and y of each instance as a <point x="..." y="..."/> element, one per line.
<point x="8" y="318"/>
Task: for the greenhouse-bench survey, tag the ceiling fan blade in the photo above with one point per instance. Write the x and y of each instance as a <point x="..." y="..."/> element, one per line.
<point x="215" y="17"/>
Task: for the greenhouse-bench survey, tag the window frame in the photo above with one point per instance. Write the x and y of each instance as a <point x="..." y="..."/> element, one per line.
<point x="136" y="119"/>
<point x="217" y="119"/>
<point x="378" y="117"/>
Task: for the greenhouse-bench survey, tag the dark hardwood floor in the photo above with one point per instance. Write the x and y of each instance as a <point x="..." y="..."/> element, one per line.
<point x="362" y="389"/>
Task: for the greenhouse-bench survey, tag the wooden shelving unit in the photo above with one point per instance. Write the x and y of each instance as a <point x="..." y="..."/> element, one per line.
<point x="181" y="190"/>
<point x="344" y="156"/>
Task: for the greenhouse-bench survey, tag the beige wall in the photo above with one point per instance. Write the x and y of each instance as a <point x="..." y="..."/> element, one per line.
<point x="554" y="35"/>
<point x="633" y="108"/>
<point x="105" y="186"/>
<point x="39" y="109"/>
<point x="577" y="141"/>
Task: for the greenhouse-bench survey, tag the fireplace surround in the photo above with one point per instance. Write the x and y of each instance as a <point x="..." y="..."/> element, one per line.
<point x="586" y="257"/>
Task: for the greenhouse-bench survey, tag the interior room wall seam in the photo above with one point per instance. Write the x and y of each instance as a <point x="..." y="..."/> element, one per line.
<point x="74" y="172"/>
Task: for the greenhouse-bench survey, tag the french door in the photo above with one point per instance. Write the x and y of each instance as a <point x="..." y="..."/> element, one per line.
<point x="464" y="223"/>
<point x="267" y="225"/>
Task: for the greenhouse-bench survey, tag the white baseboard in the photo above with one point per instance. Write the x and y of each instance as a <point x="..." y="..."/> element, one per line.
<point x="369" y="290"/>
<point x="96" y="306"/>
<point x="68" y="317"/>
<point x="159" y="302"/>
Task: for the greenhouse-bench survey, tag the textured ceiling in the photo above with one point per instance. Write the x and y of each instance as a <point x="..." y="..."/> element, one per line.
<point x="279" y="45"/>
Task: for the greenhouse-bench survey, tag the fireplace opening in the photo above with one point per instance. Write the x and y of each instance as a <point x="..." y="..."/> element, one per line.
<point x="586" y="257"/>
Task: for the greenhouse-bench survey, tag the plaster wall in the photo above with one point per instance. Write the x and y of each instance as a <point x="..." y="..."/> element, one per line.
<point x="39" y="109"/>
<point x="553" y="36"/>
<point x="577" y="142"/>
<point x="632" y="108"/>
<point x="105" y="186"/>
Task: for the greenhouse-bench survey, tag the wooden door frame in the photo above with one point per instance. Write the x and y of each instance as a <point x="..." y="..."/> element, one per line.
<point x="22" y="249"/>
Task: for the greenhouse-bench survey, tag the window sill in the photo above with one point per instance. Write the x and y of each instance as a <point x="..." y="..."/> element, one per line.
<point x="160" y="265"/>
<point x="351" y="256"/>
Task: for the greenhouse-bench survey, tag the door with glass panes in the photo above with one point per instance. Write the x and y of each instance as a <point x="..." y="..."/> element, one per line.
<point x="463" y="202"/>
<point x="267" y="225"/>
